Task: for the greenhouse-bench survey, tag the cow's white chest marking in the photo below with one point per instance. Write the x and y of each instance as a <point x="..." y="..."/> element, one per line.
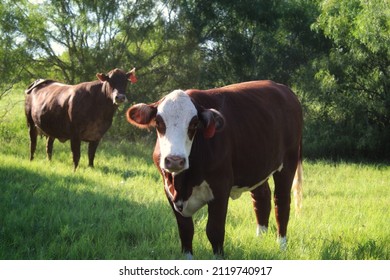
<point x="200" y="196"/>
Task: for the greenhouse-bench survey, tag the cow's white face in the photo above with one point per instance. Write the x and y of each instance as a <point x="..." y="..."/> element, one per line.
<point x="176" y="119"/>
<point x="176" y="124"/>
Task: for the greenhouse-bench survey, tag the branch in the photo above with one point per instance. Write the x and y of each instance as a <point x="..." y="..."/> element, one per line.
<point x="11" y="84"/>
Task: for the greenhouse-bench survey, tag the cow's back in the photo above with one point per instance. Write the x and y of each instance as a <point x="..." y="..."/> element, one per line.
<point x="64" y="111"/>
<point x="263" y="124"/>
<point x="49" y="109"/>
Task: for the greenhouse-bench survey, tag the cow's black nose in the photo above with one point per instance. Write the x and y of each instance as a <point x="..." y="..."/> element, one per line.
<point x="120" y="98"/>
<point x="174" y="163"/>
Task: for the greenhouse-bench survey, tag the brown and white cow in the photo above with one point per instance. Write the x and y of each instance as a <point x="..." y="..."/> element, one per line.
<point x="212" y="144"/>
<point x="81" y="112"/>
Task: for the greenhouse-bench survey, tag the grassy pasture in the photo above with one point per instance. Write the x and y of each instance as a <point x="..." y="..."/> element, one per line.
<point x="118" y="210"/>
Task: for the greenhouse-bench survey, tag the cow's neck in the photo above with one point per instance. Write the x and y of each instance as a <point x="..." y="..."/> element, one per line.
<point x="105" y="97"/>
<point x="105" y="88"/>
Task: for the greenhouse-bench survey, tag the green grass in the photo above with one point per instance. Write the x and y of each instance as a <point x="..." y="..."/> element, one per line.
<point x="118" y="210"/>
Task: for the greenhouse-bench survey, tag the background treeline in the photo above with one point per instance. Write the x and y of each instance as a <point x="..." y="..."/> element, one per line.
<point x="334" y="54"/>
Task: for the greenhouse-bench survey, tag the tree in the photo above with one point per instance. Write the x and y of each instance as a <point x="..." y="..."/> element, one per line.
<point x="88" y="33"/>
<point x="355" y="77"/>
<point x="95" y="36"/>
<point x="247" y="40"/>
<point x="13" y="54"/>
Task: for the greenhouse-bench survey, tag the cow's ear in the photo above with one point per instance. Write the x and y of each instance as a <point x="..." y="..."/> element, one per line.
<point x="131" y="76"/>
<point x="212" y="121"/>
<point x="102" y="77"/>
<point x="142" y="115"/>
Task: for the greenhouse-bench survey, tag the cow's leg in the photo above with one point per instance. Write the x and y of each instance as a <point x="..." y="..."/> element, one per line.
<point x="261" y="198"/>
<point x="75" y="146"/>
<point x="215" y="228"/>
<point x="33" y="139"/>
<point x="92" y="146"/>
<point x="282" y="197"/>
<point x="186" y="232"/>
<point x="49" y="147"/>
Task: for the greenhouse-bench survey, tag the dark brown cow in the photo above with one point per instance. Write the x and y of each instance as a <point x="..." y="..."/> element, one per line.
<point x="81" y="112"/>
<point x="212" y="144"/>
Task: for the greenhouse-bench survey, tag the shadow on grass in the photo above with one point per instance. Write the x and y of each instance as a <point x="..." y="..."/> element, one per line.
<point x="62" y="217"/>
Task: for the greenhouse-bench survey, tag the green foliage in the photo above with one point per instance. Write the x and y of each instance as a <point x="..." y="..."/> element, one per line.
<point x="89" y="35"/>
<point x="246" y="40"/>
<point x="355" y="79"/>
<point x="13" y="53"/>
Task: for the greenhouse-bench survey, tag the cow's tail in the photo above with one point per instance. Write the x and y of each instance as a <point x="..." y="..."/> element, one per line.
<point x="39" y="82"/>
<point x="297" y="184"/>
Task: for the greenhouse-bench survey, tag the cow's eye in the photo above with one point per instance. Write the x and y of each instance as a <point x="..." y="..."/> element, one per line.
<point x="192" y="127"/>
<point x="160" y="125"/>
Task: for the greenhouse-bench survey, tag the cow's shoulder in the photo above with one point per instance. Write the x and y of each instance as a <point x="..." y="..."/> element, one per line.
<point x="87" y="89"/>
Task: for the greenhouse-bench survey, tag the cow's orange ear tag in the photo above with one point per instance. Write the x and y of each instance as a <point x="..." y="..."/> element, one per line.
<point x="133" y="78"/>
<point x="209" y="131"/>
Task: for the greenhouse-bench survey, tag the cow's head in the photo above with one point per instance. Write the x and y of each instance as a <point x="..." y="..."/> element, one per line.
<point x="177" y="118"/>
<point x="115" y="84"/>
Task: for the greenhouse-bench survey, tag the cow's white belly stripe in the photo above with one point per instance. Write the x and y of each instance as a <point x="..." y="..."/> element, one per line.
<point x="237" y="191"/>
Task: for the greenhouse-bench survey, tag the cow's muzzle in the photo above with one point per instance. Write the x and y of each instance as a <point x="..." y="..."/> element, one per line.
<point x="119" y="99"/>
<point x="174" y="164"/>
